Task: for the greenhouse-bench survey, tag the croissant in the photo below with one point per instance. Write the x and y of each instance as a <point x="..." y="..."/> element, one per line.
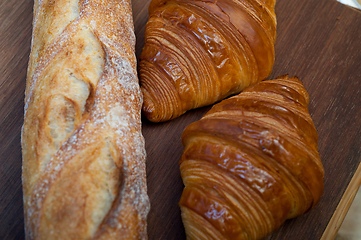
<point x="83" y="150"/>
<point x="198" y="52"/>
<point x="250" y="163"/>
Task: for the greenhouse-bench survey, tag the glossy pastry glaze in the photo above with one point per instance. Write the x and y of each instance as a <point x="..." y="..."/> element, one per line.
<point x="251" y="163"/>
<point x="198" y="52"/>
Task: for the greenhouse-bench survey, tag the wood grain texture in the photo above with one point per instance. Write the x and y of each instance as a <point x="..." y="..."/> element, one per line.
<point x="319" y="41"/>
<point x="343" y="207"/>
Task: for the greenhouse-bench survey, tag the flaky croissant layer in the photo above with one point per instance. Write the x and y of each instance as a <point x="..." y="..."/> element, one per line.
<point x="198" y="52"/>
<point x="251" y="163"/>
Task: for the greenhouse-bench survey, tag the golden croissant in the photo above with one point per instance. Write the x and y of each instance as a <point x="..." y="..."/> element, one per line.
<point x="251" y="163"/>
<point x="198" y="52"/>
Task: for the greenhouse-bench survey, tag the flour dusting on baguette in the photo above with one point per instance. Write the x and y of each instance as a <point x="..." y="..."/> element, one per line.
<point x="83" y="151"/>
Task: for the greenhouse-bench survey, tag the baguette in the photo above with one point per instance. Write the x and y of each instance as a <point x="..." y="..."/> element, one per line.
<point x="83" y="150"/>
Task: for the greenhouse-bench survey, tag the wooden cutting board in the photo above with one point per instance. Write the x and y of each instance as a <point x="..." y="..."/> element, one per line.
<point x="319" y="41"/>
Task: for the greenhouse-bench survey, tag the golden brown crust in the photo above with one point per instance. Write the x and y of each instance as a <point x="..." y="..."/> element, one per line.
<point x="251" y="163"/>
<point x="199" y="52"/>
<point x="83" y="151"/>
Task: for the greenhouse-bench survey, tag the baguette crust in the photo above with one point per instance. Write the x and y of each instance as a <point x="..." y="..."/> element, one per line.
<point x="83" y="151"/>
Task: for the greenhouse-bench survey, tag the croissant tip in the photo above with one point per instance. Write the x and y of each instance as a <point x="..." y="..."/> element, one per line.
<point x="295" y="77"/>
<point x="148" y="110"/>
<point x="287" y="77"/>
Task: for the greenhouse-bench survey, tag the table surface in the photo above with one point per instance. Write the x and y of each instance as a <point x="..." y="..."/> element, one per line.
<point x="319" y="41"/>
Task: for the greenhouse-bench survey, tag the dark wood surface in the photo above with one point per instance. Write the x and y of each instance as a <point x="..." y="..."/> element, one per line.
<point x="319" y="41"/>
